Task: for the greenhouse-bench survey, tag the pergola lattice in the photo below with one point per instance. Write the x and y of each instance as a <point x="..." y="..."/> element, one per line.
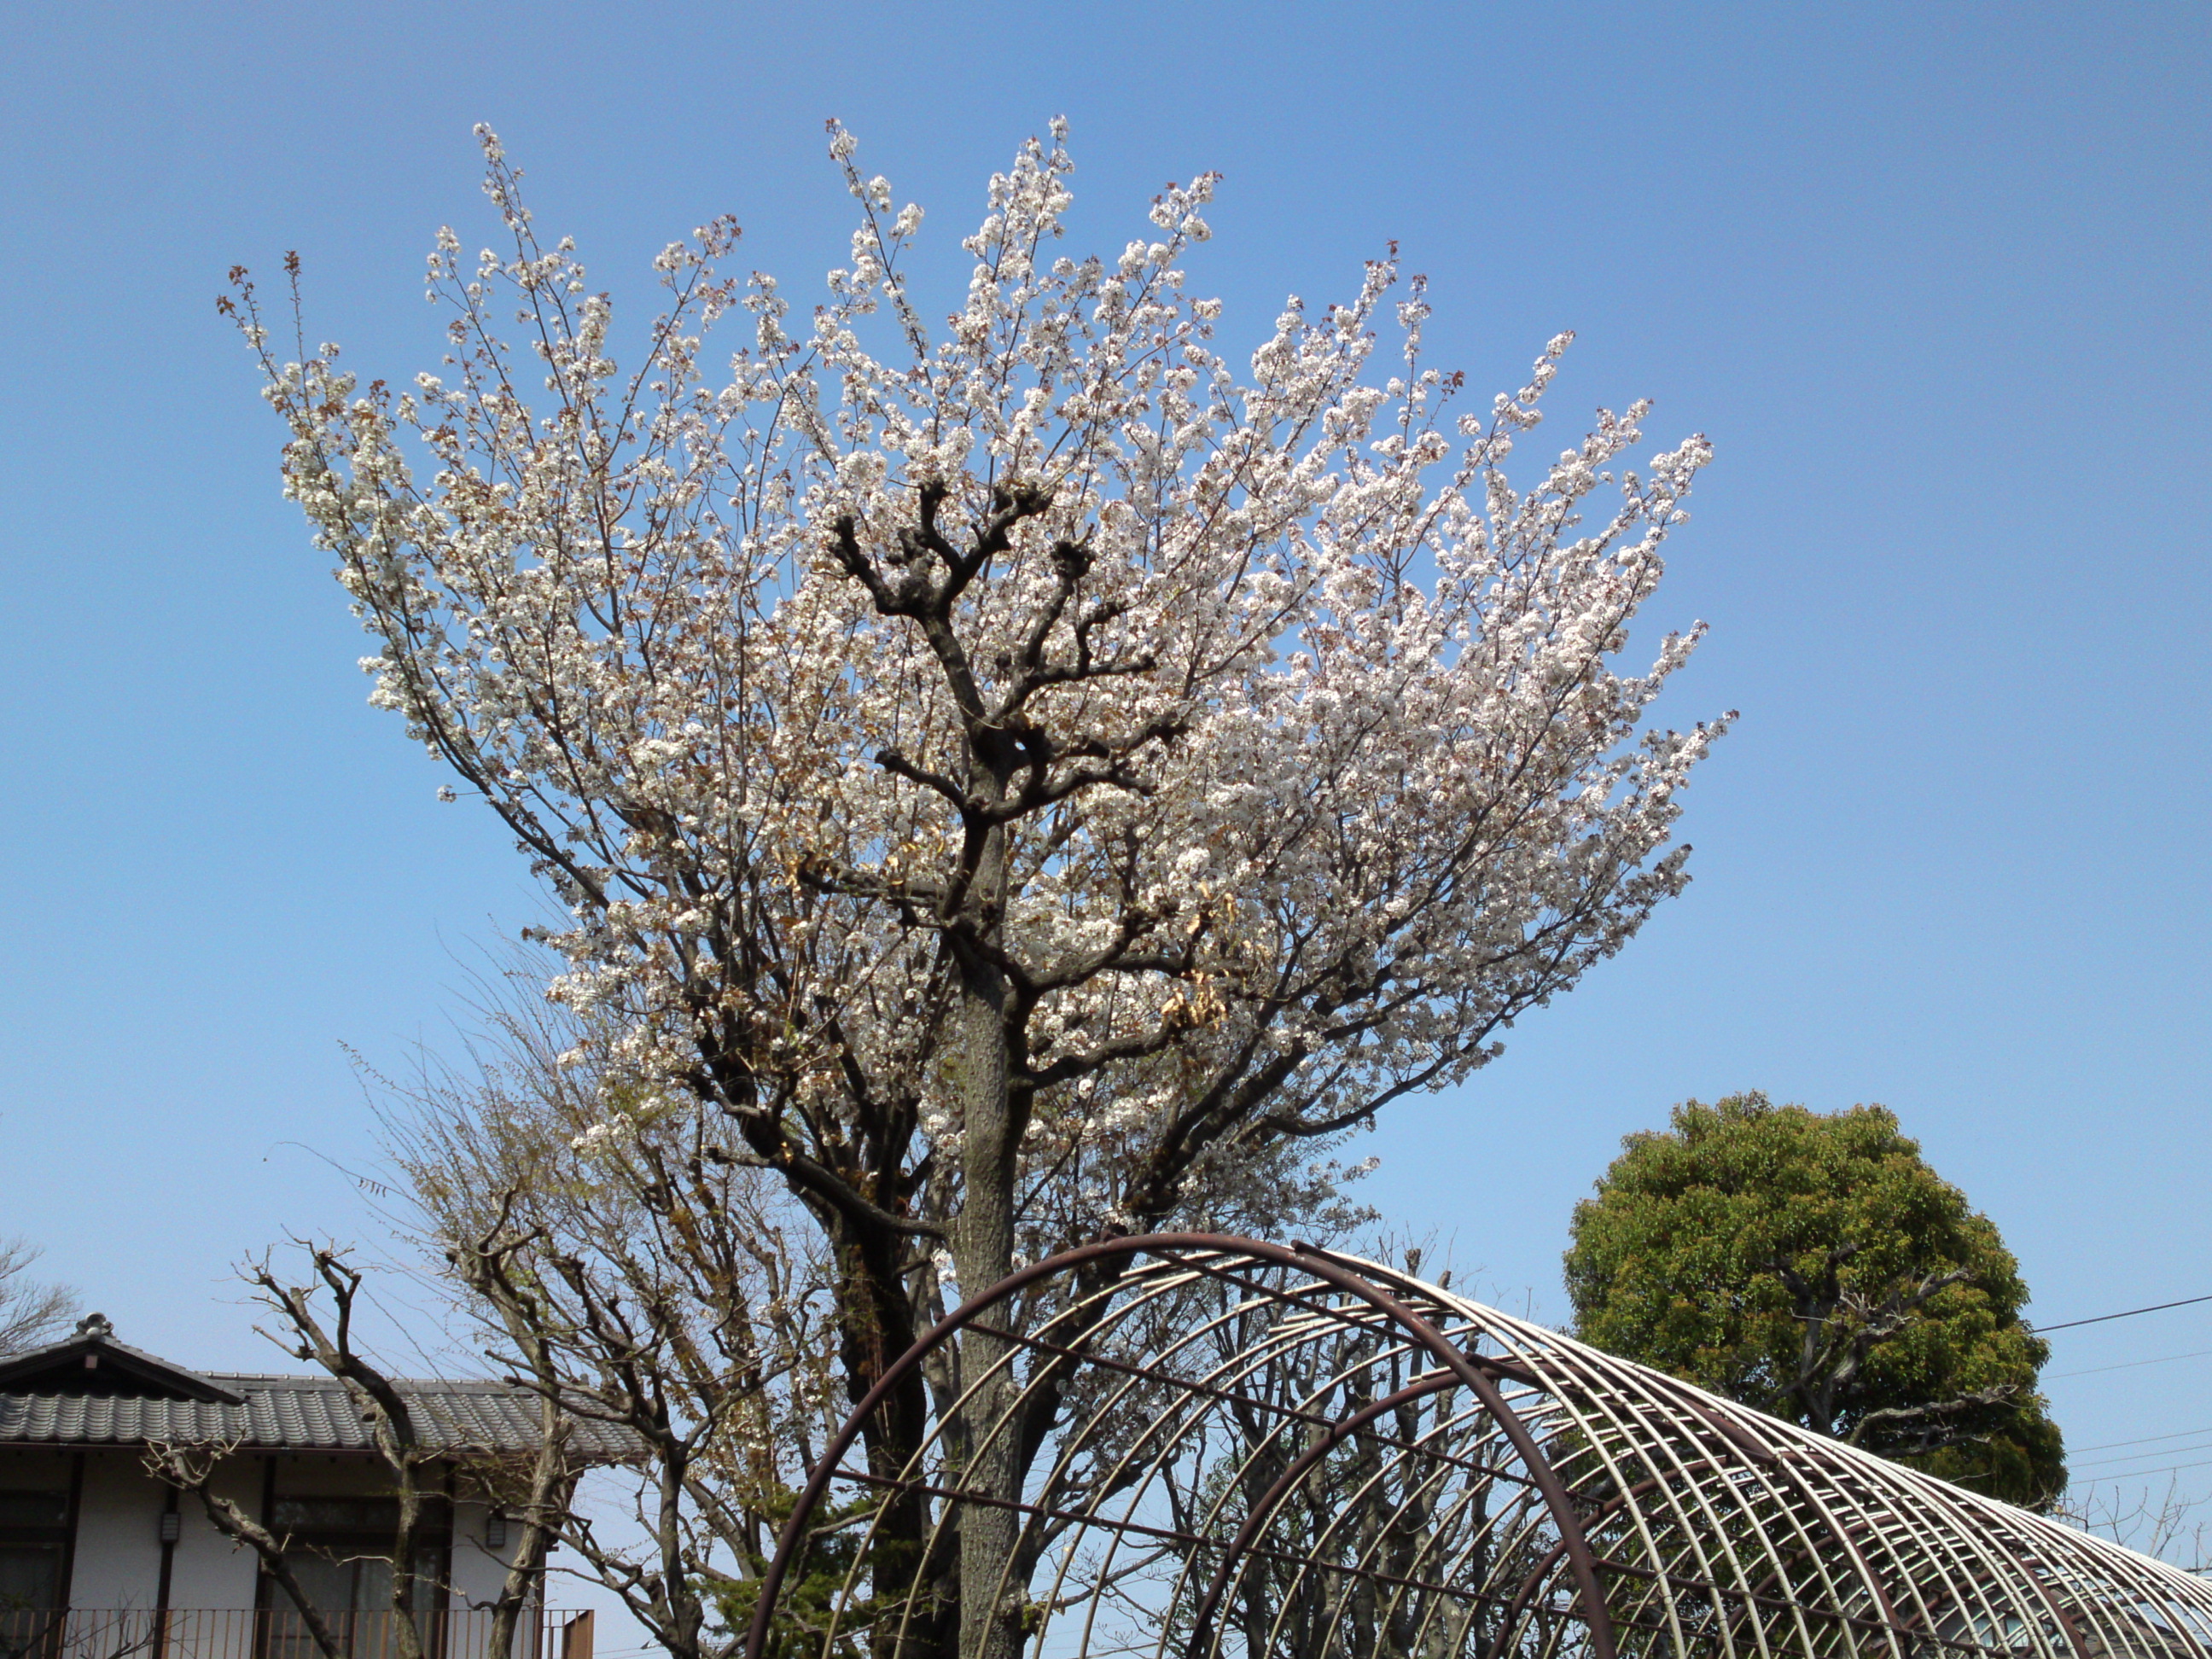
<point x="1208" y="1446"/>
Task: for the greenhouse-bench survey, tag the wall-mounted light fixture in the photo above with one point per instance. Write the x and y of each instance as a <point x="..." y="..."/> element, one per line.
<point x="495" y="1530"/>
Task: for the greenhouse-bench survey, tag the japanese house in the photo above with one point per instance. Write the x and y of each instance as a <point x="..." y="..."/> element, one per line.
<point x="101" y="1559"/>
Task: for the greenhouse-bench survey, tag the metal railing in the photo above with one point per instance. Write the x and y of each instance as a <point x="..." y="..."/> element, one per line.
<point x="277" y="1633"/>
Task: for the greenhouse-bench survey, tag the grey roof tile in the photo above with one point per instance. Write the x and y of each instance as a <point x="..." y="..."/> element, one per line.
<point x="301" y="1413"/>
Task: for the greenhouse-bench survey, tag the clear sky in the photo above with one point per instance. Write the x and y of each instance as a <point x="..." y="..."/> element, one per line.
<point x="1933" y="278"/>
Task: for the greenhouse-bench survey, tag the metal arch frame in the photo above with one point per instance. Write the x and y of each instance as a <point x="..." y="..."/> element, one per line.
<point x="1302" y="1257"/>
<point x="1776" y="1542"/>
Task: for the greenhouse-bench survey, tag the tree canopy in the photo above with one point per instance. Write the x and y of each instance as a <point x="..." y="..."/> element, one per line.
<point x="1814" y="1265"/>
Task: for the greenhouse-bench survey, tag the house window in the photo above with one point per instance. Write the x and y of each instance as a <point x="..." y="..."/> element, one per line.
<point x="30" y="1576"/>
<point x="33" y="1540"/>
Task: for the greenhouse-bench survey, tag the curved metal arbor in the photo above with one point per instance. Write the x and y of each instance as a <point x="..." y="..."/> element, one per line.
<point x="1230" y="1447"/>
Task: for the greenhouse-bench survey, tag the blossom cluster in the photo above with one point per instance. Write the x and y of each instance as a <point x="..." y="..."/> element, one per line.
<point x="1312" y="763"/>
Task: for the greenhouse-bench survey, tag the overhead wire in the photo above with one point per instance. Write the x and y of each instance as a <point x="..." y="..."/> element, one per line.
<point x="2135" y="1474"/>
<point x="2130" y="1364"/>
<point x="2129" y="1313"/>
<point x="2109" y="1462"/>
<point x="2110" y="1468"/>
<point x="2142" y="1440"/>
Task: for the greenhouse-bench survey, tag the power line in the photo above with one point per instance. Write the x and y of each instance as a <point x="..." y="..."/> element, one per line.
<point x="2130" y="1364"/>
<point x="2155" y="1307"/>
<point x="2169" y="1452"/>
<point x="2135" y="1474"/>
<point x="2144" y="1440"/>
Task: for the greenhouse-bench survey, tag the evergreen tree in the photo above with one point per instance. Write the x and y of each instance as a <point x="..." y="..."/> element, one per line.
<point x="1814" y="1265"/>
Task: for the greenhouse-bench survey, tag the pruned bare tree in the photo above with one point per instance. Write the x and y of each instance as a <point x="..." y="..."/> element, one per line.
<point x="646" y="1279"/>
<point x="316" y="1324"/>
<point x="2168" y="1521"/>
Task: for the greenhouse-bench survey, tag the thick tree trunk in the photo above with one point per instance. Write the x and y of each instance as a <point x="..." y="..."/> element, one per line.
<point x="983" y="1253"/>
<point x="875" y="1326"/>
<point x="407" y="1635"/>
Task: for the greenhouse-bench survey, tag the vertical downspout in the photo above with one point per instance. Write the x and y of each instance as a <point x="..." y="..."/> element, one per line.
<point x="69" y="1549"/>
<point x="441" y="1596"/>
<point x="172" y="1521"/>
<point x="265" y="1600"/>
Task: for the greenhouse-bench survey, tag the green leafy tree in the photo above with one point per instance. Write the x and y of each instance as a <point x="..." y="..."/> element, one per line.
<point x="1813" y="1266"/>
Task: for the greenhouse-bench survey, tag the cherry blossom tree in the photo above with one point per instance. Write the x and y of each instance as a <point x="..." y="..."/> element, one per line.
<point x="1021" y="776"/>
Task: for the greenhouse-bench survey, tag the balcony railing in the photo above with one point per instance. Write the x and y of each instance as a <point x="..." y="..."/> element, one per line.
<point x="277" y="1633"/>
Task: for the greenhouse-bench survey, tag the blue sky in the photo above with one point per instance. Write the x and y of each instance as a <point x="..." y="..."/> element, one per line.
<point x="1933" y="278"/>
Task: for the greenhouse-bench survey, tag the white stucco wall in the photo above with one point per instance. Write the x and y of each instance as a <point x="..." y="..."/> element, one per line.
<point x="209" y="1570"/>
<point x="478" y="1569"/>
<point x="118" y="1550"/>
<point x="118" y="1544"/>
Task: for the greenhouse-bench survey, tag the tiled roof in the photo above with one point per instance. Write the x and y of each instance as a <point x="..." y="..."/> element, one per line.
<point x="91" y="1361"/>
<point x="300" y="1413"/>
